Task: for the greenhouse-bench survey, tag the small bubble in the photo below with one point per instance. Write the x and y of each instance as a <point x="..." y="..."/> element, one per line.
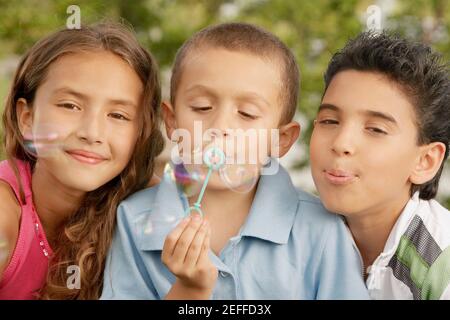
<point x="159" y="219"/>
<point x="43" y="141"/>
<point x="239" y="178"/>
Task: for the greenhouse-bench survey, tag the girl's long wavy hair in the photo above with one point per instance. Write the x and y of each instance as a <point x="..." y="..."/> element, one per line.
<point x="84" y="239"/>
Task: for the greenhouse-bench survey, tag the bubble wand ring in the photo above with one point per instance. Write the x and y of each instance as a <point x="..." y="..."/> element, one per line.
<point x="214" y="158"/>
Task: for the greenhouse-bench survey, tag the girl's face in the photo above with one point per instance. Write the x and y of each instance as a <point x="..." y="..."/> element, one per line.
<point x="364" y="144"/>
<point x="88" y="106"/>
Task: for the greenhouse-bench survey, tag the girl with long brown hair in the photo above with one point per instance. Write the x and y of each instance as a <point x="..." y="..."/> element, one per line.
<point x="81" y="132"/>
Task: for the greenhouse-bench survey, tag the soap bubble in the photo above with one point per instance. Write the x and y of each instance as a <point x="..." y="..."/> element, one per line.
<point x="206" y="167"/>
<point x="239" y="178"/>
<point x="159" y="219"/>
<point x="189" y="178"/>
<point x="190" y="175"/>
<point x="44" y="140"/>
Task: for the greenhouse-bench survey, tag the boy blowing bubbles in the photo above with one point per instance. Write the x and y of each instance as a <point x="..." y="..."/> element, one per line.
<point x="273" y="242"/>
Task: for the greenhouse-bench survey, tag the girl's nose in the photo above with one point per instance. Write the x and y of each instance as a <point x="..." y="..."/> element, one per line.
<point x="91" y="129"/>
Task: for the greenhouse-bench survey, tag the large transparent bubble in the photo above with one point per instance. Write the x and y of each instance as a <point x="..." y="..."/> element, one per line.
<point x="208" y="166"/>
<point x="189" y="173"/>
<point x="188" y="177"/>
<point x="240" y="178"/>
<point x="44" y="140"/>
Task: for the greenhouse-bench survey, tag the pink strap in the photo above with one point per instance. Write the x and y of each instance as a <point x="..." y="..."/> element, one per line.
<point x="7" y="175"/>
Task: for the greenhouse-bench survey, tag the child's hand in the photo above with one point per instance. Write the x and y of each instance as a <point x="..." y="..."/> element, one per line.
<point x="185" y="254"/>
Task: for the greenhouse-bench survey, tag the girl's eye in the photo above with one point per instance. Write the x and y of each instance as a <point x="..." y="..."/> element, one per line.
<point x="376" y="130"/>
<point x="247" y="115"/>
<point x="119" y="116"/>
<point x="69" y="106"/>
<point x="328" y="122"/>
<point x="201" y="109"/>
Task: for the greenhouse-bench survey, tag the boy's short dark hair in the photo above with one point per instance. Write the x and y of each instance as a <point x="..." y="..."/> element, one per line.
<point x="243" y="37"/>
<point x="422" y="75"/>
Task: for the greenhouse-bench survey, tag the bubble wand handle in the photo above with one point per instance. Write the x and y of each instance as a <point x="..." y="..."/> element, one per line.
<point x="216" y="164"/>
<point x="197" y="204"/>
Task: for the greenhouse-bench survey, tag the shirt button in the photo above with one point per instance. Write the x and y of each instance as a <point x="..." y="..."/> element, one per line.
<point x="223" y="274"/>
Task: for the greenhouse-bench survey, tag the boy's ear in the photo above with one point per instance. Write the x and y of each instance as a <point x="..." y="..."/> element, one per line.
<point x="429" y="162"/>
<point x="169" y="118"/>
<point x="288" y="135"/>
<point x="24" y="114"/>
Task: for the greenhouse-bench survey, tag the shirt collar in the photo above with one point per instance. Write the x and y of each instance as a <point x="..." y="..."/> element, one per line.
<point x="274" y="208"/>
<point x="271" y="216"/>
<point x="401" y="225"/>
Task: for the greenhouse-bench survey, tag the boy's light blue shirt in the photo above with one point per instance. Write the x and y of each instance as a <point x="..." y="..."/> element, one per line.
<point x="289" y="248"/>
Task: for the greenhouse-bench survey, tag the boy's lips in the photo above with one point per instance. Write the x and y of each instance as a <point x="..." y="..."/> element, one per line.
<point x="340" y="177"/>
<point x="86" y="156"/>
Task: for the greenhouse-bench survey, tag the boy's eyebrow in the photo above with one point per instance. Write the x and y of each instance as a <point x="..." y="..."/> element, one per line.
<point x="200" y="87"/>
<point x="329" y="106"/>
<point x="247" y="95"/>
<point x="253" y="96"/>
<point x="370" y="113"/>
<point x="381" y="115"/>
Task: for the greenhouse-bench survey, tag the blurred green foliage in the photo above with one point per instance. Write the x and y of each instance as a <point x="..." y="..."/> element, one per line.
<point x="314" y="30"/>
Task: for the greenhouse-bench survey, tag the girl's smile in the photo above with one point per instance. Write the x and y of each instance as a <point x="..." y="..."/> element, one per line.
<point x="87" y="157"/>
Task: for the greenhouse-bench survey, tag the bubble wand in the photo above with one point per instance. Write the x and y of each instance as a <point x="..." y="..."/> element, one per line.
<point x="214" y="158"/>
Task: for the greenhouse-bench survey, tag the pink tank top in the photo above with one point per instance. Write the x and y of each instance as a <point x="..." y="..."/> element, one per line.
<point x="27" y="270"/>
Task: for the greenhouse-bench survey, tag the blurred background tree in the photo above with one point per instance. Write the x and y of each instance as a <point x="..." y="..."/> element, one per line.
<point x="314" y="30"/>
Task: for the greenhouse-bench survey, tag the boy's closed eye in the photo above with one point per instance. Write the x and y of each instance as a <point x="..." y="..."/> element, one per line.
<point x="375" y="129"/>
<point x="327" y="122"/>
<point x="327" y="118"/>
<point x="374" y="122"/>
<point x="201" y="108"/>
<point x="247" y="115"/>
